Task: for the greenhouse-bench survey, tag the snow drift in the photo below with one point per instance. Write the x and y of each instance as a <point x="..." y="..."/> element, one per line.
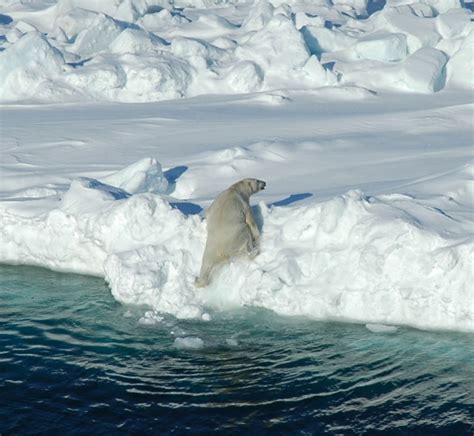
<point x="149" y="50"/>
<point x="391" y="259"/>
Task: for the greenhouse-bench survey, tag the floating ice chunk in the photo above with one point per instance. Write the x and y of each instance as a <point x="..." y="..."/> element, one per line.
<point x="146" y="175"/>
<point x="385" y="47"/>
<point x="136" y="41"/>
<point x="97" y="36"/>
<point x="189" y="343"/>
<point x="232" y="342"/>
<point x="381" y="328"/>
<point x="127" y="314"/>
<point x="176" y="330"/>
<point x="150" y="317"/>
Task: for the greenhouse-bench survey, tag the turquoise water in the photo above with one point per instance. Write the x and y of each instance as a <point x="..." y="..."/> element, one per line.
<point x="72" y="360"/>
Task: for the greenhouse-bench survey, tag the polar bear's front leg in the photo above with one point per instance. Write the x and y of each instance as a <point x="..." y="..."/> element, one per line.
<point x="254" y="236"/>
<point x="250" y="221"/>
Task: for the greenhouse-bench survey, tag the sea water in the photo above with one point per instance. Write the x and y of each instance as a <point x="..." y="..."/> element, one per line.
<point x="73" y="360"/>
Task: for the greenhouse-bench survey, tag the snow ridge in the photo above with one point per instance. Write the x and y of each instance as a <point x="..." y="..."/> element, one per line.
<point x="383" y="260"/>
<point x="150" y="50"/>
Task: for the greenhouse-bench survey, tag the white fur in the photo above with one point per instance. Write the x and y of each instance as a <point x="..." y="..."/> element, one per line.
<point x="231" y="228"/>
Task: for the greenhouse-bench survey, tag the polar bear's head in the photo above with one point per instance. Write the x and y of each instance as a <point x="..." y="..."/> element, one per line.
<point x="247" y="187"/>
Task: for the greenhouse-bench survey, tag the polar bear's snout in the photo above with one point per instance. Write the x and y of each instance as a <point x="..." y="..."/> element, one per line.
<point x="261" y="185"/>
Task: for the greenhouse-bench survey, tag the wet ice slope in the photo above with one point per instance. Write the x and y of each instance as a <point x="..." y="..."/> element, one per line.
<point x="362" y="130"/>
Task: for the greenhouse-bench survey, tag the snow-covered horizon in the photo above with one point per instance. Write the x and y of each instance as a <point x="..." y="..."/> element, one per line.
<point x="151" y="50"/>
<point x="121" y="124"/>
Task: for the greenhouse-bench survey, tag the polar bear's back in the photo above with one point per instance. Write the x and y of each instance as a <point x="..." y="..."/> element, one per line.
<point x="229" y="205"/>
<point x="226" y="217"/>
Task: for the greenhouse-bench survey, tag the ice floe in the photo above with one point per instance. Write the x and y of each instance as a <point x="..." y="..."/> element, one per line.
<point x="389" y="259"/>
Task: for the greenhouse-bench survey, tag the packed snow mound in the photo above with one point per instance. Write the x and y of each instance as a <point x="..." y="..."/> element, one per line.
<point x="392" y="259"/>
<point x="32" y="60"/>
<point x="385" y="47"/>
<point x="461" y="66"/>
<point x="149" y="50"/>
<point x="145" y="175"/>
<point x="136" y="41"/>
<point x="96" y="37"/>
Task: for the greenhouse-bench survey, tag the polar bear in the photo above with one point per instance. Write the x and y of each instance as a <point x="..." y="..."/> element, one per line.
<point x="231" y="228"/>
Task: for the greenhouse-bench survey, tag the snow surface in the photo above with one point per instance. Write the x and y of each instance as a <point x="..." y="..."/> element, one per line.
<point x="150" y="50"/>
<point x="360" y="121"/>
